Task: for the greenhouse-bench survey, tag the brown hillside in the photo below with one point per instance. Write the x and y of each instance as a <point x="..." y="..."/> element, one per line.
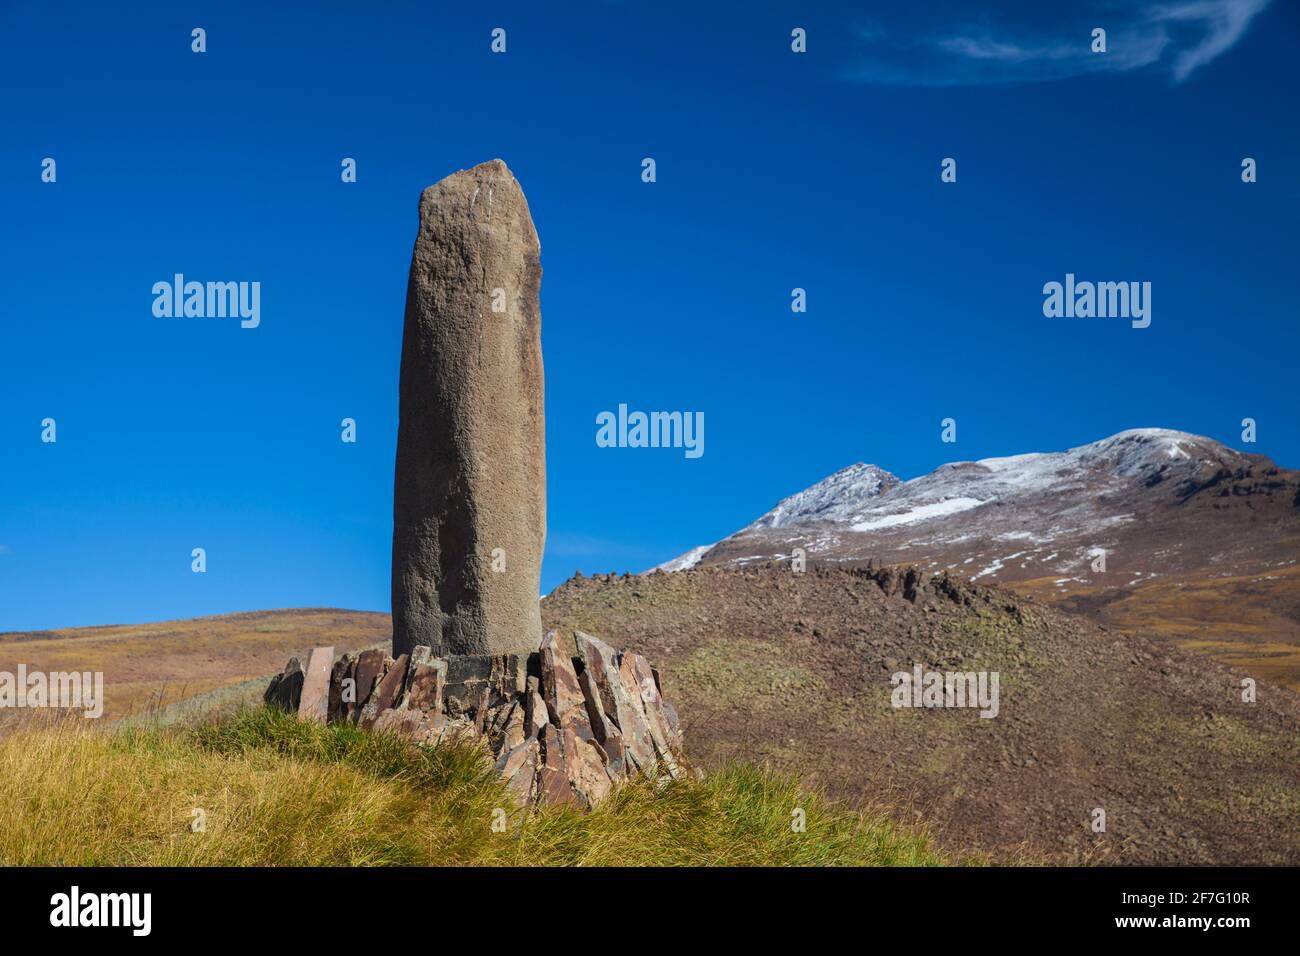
<point x="794" y="669"/>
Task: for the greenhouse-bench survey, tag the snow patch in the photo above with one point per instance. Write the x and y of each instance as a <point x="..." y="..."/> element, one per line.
<point x="686" y="561"/>
<point x="919" y="513"/>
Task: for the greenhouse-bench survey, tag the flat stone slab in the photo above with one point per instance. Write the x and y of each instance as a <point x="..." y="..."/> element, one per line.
<point x="315" y="702"/>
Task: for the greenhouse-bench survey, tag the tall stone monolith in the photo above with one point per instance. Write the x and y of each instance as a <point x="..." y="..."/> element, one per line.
<point x="469" y="499"/>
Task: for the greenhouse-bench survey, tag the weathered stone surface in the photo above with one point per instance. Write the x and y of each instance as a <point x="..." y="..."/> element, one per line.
<point x="617" y="764"/>
<point x="535" y="713"/>
<point x="620" y="704"/>
<point x="344" y="669"/>
<point x="553" y="784"/>
<point x="482" y="709"/>
<point x="639" y="679"/>
<point x="584" y="765"/>
<point x="602" y="727"/>
<point x="385" y="693"/>
<point x="425" y="684"/>
<point x="560" y="690"/>
<point x="513" y="733"/>
<point x="413" y="723"/>
<point x="517" y="768"/>
<point x="315" y="701"/>
<point x="471" y="466"/>
<point x="674" y="722"/>
<point x="370" y="667"/>
<point x="509" y="675"/>
<point x="467" y="676"/>
<point x="285" y="691"/>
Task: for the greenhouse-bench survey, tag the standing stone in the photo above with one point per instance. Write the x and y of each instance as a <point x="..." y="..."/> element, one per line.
<point x="370" y="667"/>
<point x="285" y="691"/>
<point x="314" y="704"/>
<point x="471" y="461"/>
<point x="344" y="669"/>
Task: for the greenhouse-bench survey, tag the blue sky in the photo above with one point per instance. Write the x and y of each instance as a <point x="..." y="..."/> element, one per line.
<point x="775" y="170"/>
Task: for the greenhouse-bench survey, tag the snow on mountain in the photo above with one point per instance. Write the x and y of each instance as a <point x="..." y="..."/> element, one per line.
<point x="1081" y="496"/>
<point x="1070" y="475"/>
<point x="838" y="498"/>
<point x="945" y="506"/>
<point x="688" y="560"/>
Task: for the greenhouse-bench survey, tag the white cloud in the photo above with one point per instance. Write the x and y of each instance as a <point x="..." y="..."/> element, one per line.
<point x="1224" y="23"/>
<point x="1179" y="37"/>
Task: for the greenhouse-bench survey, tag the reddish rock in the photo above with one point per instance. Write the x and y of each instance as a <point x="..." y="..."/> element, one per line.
<point x="385" y="693"/>
<point x="639" y="679"/>
<point x="561" y="730"/>
<point x="513" y="733"/>
<point x="370" y="667"/>
<point x="425" y="684"/>
<point x="602" y="727"/>
<point x="509" y="676"/>
<point x="616" y="762"/>
<point x="560" y="690"/>
<point x="535" y="714"/>
<point x="553" y="786"/>
<point x="619" y="703"/>
<point x="483" y="709"/>
<point x="411" y="723"/>
<point x="315" y="700"/>
<point x="517" y="768"/>
<point x="584" y="765"/>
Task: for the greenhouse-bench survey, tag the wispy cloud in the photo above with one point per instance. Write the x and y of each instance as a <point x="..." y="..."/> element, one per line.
<point x="1223" y="23"/>
<point x="1177" y="37"/>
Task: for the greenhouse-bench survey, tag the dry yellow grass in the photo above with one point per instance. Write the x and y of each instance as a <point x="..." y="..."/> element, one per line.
<point x="1248" y="621"/>
<point x="275" y="791"/>
<point x="148" y="666"/>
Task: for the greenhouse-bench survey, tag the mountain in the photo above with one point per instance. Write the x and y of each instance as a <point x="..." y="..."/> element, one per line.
<point x="1148" y="526"/>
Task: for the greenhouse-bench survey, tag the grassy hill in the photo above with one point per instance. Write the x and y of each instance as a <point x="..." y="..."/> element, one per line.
<point x="147" y="667"/>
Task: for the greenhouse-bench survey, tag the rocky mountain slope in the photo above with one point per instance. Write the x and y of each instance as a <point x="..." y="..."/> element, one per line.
<point x="1119" y="529"/>
<point x="795" y="669"/>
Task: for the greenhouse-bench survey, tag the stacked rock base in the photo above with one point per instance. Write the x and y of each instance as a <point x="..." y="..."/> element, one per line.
<point x="562" y="729"/>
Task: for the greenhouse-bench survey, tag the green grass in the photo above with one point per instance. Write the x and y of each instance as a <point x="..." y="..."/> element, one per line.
<point x="737" y="670"/>
<point x="277" y="791"/>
